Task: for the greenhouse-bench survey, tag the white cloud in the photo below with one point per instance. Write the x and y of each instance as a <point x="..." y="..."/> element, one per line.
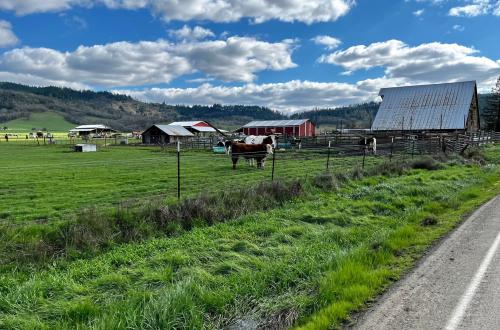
<point x="24" y="7"/>
<point x="187" y="33"/>
<point x="213" y="10"/>
<point x="290" y="96"/>
<point x="476" y="8"/>
<point x="7" y="37"/>
<point x="458" y="27"/>
<point x="425" y="63"/>
<point x="419" y="12"/>
<point x="135" y="64"/>
<point x="327" y="41"/>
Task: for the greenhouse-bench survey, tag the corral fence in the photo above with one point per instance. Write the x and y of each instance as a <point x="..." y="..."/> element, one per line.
<point x="338" y="152"/>
<point x="168" y="172"/>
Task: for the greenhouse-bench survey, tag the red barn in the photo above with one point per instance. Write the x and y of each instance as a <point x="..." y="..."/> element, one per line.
<point x="296" y="128"/>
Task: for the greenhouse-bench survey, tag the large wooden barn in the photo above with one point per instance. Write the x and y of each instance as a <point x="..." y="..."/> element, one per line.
<point x="295" y="128"/>
<point x="164" y="134"/>
<point x="447" y="107"/>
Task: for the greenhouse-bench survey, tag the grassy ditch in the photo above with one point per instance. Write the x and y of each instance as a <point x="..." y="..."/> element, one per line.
<point x="307" y="263"/>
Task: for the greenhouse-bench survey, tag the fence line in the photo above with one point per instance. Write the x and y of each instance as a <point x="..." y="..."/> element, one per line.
<point x="205" y="172"/>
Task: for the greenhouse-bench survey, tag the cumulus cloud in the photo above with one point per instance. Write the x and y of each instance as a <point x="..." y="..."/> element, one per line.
<point x="187" y="33"/>
<point x="7" y="37"/>
<point x="425" y="63"/>
<point x="476" y="8"/>
<point x="327" y="41"/>
<point x="25" y="7"/>
<point x="213" y="10"/>
<point x="151" y="62"/>
<point x="289" y="96"/>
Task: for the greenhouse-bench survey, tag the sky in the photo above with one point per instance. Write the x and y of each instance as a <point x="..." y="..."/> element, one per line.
<point x="289" y="55"/>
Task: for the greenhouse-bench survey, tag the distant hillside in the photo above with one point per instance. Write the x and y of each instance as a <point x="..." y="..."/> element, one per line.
<point x="48" y="121"/>
<point x="57" y="108"/>
<point x="119" y="111"/>
<point x="354" y="116"/>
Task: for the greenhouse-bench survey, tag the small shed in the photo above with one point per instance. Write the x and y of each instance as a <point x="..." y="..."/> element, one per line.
<point x="164" y="134"/>
<point x="295" y="128"/>
<point x="437" y="107"/>
<point x="85" y="148"/>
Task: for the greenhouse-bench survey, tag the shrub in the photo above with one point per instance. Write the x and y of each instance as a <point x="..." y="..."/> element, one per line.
<point x="429" y="221"/>
<point x="425" y="164"/>
<point x="326" y="181"/>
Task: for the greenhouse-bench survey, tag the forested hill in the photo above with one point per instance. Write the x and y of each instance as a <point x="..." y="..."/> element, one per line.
<point x="119" y="111"/>
<point x="354" y="116"/>
<point x="124" y="113"/>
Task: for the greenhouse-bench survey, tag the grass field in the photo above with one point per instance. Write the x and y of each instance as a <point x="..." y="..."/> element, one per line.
<point x="307" y="264"/>
<point x="53" y="122"/>
<point x="48" y="182"/>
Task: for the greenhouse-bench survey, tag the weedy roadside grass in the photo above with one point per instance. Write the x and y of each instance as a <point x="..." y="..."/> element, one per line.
<point x="308" y="263"/>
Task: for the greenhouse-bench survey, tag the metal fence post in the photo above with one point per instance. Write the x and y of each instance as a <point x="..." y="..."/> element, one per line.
<point x="328" y="157"/>
<point x="274" y="158"/>
<point x="178" y="170"/>
<point x="364" y="156"/>
<point x="392" y="149"/>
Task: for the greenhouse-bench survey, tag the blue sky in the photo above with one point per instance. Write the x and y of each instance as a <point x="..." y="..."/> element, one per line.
<point x="289" y="55"/>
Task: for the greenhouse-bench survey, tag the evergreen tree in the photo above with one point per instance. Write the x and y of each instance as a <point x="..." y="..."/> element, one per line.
<point x="492" y="110"/>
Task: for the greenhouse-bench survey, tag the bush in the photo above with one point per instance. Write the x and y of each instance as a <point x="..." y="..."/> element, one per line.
<point x="429" y="221"/>
<point x="326" y="181"/>
<point x="425" y="164"/>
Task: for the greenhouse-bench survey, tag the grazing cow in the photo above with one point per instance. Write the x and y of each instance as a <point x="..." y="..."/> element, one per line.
<point x="258" y="152"/>
<point x="369" y="144"/>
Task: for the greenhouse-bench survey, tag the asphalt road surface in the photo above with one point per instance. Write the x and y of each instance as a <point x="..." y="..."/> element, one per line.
<point x="457" y="286"/>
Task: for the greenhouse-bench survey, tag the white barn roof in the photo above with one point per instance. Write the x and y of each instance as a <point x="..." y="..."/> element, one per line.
<point x="174" y="130"/>
<point x="275" y="123"/>
<point x="425" y="107"/>
<point x="186" y="123"/>
<point x="91" y="127"/>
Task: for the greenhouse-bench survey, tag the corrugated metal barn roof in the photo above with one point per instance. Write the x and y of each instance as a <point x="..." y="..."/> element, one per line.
<point x="185" y="123"/>
<point x="174" y="130"/>
<point x="276" y="123"/>
<point x="425" y="107"/>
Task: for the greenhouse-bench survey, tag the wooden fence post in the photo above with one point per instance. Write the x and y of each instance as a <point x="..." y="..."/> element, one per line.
<point x="178" y="170"/>
<point x="328" y="156"/>
<point x="364" y="156"/>
<point x="274" y="158"/>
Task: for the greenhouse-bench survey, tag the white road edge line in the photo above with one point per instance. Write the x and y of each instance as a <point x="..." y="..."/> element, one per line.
<point x="459" y="311"/>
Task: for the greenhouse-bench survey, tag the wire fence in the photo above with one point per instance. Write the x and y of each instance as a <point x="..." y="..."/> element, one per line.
<point x="171" y="173"/>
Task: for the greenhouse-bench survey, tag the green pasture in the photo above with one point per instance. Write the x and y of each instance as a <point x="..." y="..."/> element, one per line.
<point x="307" y="264"/>
<point x="52" y="122"/>
<point x="46" y="183"/>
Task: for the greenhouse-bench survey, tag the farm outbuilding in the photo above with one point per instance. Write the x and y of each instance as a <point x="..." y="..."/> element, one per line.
<point x="164" y="134"/>
<point x="85" y="148"/>
<point x="86" y="130"/>
<point x="198" y="127"/>
<point x="438" y="107"/>
<point x="295" y="128"/>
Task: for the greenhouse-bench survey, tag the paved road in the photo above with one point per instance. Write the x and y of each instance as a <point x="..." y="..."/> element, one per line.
<point x="457" y="286"/>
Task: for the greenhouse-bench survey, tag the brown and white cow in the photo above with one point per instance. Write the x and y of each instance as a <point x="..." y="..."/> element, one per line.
<point x="258" y="152"/>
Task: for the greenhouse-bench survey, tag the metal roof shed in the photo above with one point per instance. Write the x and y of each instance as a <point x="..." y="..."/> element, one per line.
<point x="163" y="134"/>
<point x="438" y="107"/>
